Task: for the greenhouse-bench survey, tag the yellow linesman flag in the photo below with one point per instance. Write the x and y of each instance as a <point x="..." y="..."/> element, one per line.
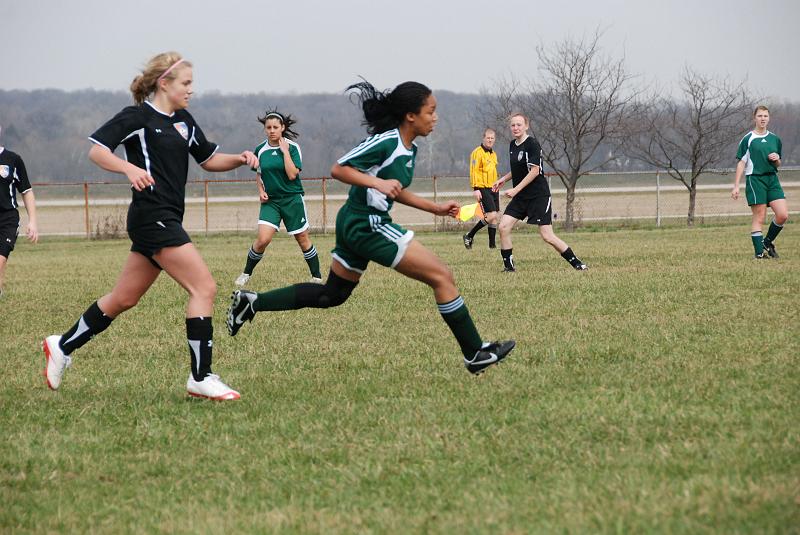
<point x="468" y="211"/>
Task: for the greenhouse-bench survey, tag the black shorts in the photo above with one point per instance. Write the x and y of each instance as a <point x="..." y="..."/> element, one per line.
<point x="490" y="200"/>
<point x="538" y="210"/>
<point x="150" y="238"/>
<point x="9" y="230"/>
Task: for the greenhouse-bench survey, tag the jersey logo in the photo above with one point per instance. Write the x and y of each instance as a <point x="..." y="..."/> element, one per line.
<point x="519" y="156"/>
<point x="182" y="129"/>
<point x="158" y="130"/>
<point x="274" y="153"/>
<point x="410" y="164"/>
<point x="4" y="171"/>
<point x="302" y="219"/>
<point x="763" y="141"/>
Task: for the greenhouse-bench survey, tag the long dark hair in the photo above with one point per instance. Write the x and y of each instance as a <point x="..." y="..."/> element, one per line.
<point x="286" y="120"/>
<point x="387" y="110"/>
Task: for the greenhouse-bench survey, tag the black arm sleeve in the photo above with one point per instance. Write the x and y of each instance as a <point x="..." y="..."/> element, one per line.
<point x="118" y="128"/>
<point x="21" y="178"/>
<point x="200" y="148"/>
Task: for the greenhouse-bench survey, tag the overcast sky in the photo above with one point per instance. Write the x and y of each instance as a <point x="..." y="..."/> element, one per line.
<point x="322" y="46"/>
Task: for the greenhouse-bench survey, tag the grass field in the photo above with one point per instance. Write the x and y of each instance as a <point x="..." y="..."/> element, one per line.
<point x="658" y="392"/>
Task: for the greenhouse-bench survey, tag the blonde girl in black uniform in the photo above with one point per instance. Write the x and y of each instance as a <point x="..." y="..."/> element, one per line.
<point x="159" y="135"/>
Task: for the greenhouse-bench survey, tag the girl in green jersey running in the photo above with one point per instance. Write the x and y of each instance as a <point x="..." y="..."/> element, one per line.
<point x="379" y="170"/>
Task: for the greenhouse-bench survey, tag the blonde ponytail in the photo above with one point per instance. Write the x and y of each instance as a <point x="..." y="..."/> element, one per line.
<point x="146" y="83"/>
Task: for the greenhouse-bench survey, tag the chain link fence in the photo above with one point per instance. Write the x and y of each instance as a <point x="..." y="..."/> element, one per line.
<point x="98" y="209"/>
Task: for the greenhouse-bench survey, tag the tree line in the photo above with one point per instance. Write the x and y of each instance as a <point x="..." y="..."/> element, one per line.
<point x="587" y="110"/>
<point x="49" y="129"/>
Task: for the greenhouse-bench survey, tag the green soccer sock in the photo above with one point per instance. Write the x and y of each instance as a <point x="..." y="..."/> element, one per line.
<point x="280" y="299"/>
<point x="312" y="259"/>
<point x="253" y="258"/>
<point x="457" y="317"/>
<point x="758" y="242"/>
<point x="774" y="230"/>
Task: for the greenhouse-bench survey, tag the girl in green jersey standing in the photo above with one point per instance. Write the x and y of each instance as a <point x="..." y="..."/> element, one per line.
<point x="281" y="194"/>
<point x="759" y="157"/>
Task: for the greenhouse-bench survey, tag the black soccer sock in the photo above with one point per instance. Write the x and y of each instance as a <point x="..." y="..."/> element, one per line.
<point x="508" y="258"/>
<point x="570" y="257"/>
<point x="334" y="292"/>
<point x="199" y="334"/>
<point x="253" y="258"/>
<point x="492" y="230"/>
<point x="479" y="225"/>
<point x="91" y="323"/>
<point x="456" y="316"/>
<point x="772" y="233"/>
<point x="312" y="259"/>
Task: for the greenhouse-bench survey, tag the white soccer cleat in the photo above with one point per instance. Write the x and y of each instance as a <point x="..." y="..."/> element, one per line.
<point x="316" y="280"/>
<point x="242" y="279"/>
<point x="56" y="361"/>
<point x="211" y="388"/>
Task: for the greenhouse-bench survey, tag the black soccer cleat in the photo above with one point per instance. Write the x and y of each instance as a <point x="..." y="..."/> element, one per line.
<point x="769" y="247"/>
<point x="240" y="310"/>
<point x="511" y="269"/>
<point x="762" y="256"/>
<point x="580" y="266"/>
<point x="468" y="241"/>
<point x="489" y="355"/>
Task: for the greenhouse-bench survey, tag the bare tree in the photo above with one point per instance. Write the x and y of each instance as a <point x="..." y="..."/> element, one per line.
<point x="578" y="105"/>
<point x="695" y="134"/>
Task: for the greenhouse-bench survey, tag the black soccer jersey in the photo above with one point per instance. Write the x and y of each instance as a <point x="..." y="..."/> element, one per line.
<point x="522" y="158"/>
<point x="160" y="144"/>
<point x="13" y="179"/>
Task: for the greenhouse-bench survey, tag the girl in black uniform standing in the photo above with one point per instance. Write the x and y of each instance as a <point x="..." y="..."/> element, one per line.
<point x="13" y="179"/>
<point x="530" y="196"/>
<point x="159" y="135"/>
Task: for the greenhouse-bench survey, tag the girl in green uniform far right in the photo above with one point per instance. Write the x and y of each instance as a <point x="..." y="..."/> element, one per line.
<point x="759" y="157"/>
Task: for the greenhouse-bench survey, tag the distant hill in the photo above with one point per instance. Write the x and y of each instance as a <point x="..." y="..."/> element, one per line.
<point x="49" y="129"/>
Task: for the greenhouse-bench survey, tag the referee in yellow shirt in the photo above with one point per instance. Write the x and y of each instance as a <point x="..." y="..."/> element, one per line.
<point x="482" y="174"/>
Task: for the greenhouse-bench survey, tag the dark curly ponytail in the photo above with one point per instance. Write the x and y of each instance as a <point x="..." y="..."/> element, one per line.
<point x="387" y="110"/>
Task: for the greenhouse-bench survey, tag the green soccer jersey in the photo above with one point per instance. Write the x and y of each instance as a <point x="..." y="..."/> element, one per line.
<point x="273" y="172"/>
<point x="754" y="150"/>
<point x="384" y="156"/>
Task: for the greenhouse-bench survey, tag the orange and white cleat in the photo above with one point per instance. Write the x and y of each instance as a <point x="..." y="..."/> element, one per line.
<point x="211" y="388"/>
<point x="56" y="362"/>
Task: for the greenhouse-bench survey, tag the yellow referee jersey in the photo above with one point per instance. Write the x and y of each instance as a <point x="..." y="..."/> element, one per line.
<point x="482" y="168"/>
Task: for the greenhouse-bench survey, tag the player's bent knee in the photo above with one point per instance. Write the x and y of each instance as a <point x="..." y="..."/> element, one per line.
<point x="444" y="277"/>
<point x="206" y="291"/>
<point x="121" y="303"/>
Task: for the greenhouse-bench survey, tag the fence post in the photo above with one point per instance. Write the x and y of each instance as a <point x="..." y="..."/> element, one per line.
<point x="324" y="204"/>
<point x="435" y="219"/>
<point x="86" y="209"/>
<point x="205" y="195"/>
<point x="658" y="198"/>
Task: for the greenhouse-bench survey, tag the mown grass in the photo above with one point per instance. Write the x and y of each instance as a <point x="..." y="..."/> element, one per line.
<point x="658" y="392"/>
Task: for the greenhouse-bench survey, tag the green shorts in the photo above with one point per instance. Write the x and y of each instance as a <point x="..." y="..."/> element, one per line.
<point x="292" y="210"/>
<point x="362" y="237"/>
<point x="763" y="189"/>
